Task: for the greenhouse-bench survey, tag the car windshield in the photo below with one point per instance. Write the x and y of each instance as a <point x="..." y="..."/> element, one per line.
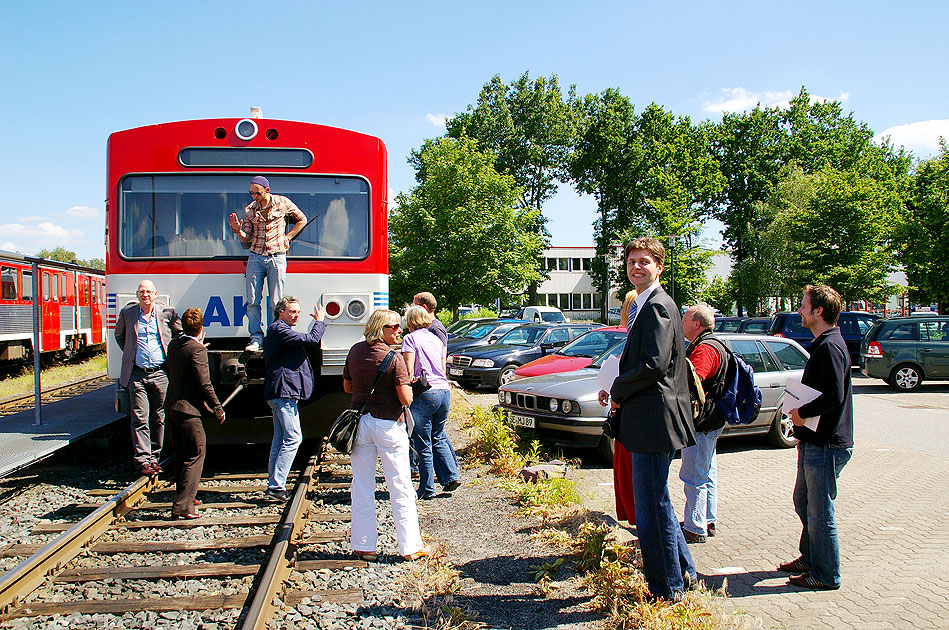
<point x="479" y="332"/>
<point x="553" y="317"/>
<point x="727" y="325"/>
<point x="592" y="344"/>
<point x="523" y="336"/>
<point x="615" y="351"/>
<point x="462" y="326"/>
<point x="794" y="324"/>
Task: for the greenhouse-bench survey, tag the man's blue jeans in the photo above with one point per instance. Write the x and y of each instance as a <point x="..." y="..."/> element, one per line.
<point x="666" y="557"/>
<point x="699" y="475"/>
<point x="274" y="269"/>
<point x="814" y="492"/>
<point x="430" y="410"/>
<point x="287" y="437"/>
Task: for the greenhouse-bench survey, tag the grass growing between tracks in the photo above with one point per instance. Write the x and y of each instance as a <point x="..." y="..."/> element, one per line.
<point x="432" y="584"/>
<point x="53" y="376"/>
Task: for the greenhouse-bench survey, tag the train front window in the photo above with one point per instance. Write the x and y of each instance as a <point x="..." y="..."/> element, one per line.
<point x="185" y="216"/>
<point x="7" y="283"/>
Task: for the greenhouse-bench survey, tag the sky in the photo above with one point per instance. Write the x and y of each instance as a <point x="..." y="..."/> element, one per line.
<point x="71" y="73"/>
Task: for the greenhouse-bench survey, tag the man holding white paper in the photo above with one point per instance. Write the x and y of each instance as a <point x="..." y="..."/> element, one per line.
<point x="825" y="447"/>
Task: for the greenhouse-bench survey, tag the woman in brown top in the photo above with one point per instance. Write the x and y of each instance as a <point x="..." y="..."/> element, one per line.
<point x="381" y="434"/>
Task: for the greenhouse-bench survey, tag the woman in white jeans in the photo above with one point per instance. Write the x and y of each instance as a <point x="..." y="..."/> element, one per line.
<point x="381" y="434"/>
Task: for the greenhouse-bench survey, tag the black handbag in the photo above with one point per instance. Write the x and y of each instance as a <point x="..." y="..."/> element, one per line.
<point x="420" y="384"/>
<point x="342" y="434"/>
<point x="611" y="424"/>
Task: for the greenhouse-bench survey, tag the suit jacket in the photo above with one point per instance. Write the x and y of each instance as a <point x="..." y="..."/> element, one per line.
<point x="169" y="326"/>
<point x="652" y="387"/>
<point x="289" y="374"/>
<point x="189" y="383"/>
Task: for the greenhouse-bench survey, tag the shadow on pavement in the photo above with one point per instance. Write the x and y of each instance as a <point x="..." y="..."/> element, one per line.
<point x="752" y="583"/>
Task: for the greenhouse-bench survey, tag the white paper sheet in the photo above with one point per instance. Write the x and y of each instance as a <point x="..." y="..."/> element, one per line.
<point x="797" y="394"/>
<point x="609" y="370"/>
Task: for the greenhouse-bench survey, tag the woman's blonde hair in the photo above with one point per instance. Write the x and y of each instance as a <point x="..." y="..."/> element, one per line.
<point x="417" y="317"/>
<point x="377" y="321"/>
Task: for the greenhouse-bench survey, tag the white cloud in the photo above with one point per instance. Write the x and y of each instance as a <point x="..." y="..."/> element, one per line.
<point x="33" y="219"/>
<point x="45" y="235"/>
<point x="739" y="99"/>
<point x="922" y="138"/>
<point x="82" y="212"/>
<point x="436" y="120"/>
<point x="9" y="247"/>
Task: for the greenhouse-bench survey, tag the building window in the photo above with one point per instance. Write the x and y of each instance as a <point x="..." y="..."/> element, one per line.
<point x="564" y="264"/>
<point x="551" y="264"/>
<point x="577" y="265"/>
<point x="596" y="300"/>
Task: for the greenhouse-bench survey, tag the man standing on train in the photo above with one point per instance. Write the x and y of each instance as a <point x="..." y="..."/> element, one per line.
<point x="264" y="227"/>
<point x="143" y="331"/>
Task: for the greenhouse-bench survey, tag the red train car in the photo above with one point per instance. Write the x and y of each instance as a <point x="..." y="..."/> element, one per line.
<point x="170" y="188"/>
<point x="72" y="301"/>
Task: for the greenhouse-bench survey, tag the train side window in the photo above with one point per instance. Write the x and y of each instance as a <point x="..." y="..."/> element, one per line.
<point x="55" y="285"/>
<point x="95" y="294"/>
<point x="64" y="291"/>
<point x="8" y="283"/>
<point x="27" y="285"/>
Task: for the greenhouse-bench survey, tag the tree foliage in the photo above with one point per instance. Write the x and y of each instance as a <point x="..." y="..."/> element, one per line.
<point x="62" y="254"/>
<point x="924" y="232"/>
<point x="719" y="294"/>
<point x="461" y="233"/>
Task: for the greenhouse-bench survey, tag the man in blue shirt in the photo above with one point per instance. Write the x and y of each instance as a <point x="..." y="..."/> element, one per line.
<point x="143" y="331"/>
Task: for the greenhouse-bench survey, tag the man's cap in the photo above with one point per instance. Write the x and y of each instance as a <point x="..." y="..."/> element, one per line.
<point x="260" y="180"/>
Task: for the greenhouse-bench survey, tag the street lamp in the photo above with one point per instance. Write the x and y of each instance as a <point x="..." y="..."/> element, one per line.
<point x="672" y="267"/>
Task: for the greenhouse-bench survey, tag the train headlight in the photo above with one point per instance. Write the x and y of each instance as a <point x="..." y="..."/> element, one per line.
<point x="356" y="309"/>
<point x="246" y="129"/>
<point x="554" y="405"/>
<point x="333" y="309"/>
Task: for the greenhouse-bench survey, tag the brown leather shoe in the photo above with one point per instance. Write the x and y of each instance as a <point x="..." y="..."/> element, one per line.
<point x="189" y="516"/>
<point x="198" y="502"/>
<point x="148" y="470"/>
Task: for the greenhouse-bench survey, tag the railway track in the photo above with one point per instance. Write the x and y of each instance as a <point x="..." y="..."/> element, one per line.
<point x="250" y="546"/>
<point x="23" y="402"/>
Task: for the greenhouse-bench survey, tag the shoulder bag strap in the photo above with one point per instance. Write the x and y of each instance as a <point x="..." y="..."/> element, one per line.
<point x="383" y="368"/>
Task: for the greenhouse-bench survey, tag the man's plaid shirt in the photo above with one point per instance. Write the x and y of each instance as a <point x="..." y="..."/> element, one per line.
<point x="268" y="229"/>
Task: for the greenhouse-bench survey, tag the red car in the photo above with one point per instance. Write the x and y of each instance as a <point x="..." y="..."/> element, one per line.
<point x="577" y="354"/>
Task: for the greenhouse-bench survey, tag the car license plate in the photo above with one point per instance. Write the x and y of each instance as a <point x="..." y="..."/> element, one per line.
<point x="522" y="421"/>
<point x="455" y="371"/>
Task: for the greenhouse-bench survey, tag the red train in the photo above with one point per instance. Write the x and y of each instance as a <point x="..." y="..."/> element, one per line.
<point x="72" y="304"/>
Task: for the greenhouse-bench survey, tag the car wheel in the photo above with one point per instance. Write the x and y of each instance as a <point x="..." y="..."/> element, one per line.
<point x="782" y="431"/>
<point x="905" y="378"/>
<point x="605" y="450"/>
<point x="507" y="373"/>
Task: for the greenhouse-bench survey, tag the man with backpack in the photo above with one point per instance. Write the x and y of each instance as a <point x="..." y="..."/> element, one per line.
<point x="698" y="470"/>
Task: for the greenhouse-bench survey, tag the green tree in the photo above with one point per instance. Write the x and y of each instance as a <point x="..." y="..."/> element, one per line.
<point x="62" y="254"/>
<point x="924" y="235"/>
<point x="461" y="233"/>
<point x="652" y="174"/>
<point x="719" y="293"/>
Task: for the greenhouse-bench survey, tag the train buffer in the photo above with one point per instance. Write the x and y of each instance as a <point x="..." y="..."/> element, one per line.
<point x="64" y="422"/>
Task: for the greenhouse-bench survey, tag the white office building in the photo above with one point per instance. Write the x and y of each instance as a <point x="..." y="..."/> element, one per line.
<point x="570" y="286"/>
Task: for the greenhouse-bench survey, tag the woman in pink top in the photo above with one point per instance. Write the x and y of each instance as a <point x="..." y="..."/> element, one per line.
<point x="425" y="353"/>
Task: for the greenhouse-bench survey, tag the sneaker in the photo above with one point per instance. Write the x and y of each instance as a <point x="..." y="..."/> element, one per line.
<point x="795" y="566"/>
<point x="276" y="495"/>
<point x="451" y="486"/>
<point x="253" y="346"/>
<point x="691" y="538"/>
<point x="809" y="581"/>
<point x="711" y="530"/>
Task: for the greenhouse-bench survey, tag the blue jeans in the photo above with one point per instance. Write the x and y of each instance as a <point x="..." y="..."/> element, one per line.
<point x="274" y="269"/>
<point x="666" y="557"/>
<point x="814" y="492"/>
<point x="430" y="410"/>
<point x="699" y="475"/>
<point x="287" y="437"/>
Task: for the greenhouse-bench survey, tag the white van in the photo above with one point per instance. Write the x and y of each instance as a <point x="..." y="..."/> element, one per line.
<point x="546" y="314"/>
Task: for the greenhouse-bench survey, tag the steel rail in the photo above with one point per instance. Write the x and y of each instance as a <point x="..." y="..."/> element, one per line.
<point x="31" y="573"/>
<point x="283" y="556"/>
<point x="20" y="398"/>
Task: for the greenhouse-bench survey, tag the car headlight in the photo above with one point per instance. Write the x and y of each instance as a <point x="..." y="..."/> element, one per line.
<point x="482" y="363"/>
<point x="566" y="406"/>
<point x="554" y="405"/>
<point x="508" y="397"/>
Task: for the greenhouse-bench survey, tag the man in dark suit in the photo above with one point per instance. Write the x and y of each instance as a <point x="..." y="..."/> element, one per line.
<point x="189" y="390"/>
<point x="143" y="331"/>
<point x="652" y="394"/>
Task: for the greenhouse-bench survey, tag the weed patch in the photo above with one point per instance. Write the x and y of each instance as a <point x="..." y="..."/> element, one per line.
<point x="52" y="376"/>
<point x="431" y="585"/>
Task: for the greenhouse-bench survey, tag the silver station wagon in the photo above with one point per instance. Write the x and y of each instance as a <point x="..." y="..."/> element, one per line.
<point x="563" y="408"/>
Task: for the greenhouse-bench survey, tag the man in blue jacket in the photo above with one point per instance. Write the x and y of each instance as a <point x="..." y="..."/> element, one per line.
<point x="289" y="380"/>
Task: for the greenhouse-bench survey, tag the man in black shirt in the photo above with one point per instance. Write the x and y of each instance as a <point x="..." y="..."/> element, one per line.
<point x="824" y="450"/>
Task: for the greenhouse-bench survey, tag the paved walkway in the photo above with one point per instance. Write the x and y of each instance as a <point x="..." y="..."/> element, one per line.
<point x="892" y="510"/>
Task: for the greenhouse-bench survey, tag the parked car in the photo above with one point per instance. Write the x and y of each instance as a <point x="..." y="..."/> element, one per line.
<point x="853" y="326"/>
<point x="754" y="325"/>
<point x="549" y="314"/>
<point x="727" y="323"/>
<point x="564" y="409"/>
<point x="613" y="315"/>
<point x="905" y="351"/>
<point x="483" y="334"/>
<point x="577" y="354"/>
<point x="494" y="365"/>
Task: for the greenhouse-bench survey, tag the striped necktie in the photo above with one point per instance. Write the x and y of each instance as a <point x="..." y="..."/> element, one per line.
<point x="632" y="316"/>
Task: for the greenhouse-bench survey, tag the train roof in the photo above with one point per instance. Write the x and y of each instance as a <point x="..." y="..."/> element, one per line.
<point x="6" y="256"/>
